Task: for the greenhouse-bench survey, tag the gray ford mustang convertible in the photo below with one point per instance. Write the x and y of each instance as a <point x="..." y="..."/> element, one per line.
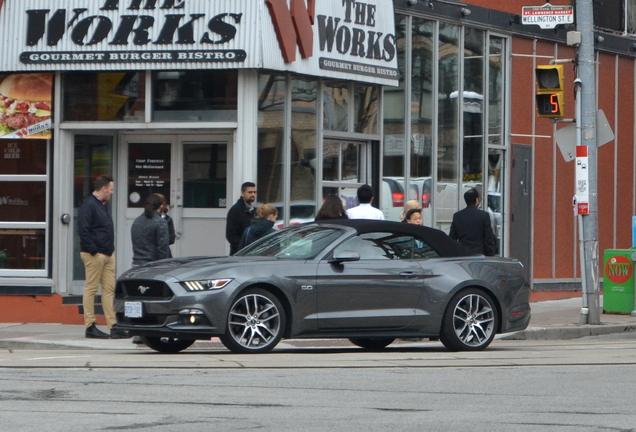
<point x="368" y="281"/>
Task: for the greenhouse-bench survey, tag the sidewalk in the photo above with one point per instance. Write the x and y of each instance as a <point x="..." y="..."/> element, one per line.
<point x="551" y="320"/>
<point x="559" y="319"/>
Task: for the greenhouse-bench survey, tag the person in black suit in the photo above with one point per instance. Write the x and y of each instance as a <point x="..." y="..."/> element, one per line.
<point x="240" y="216"/>
<point x="471" y="227"/>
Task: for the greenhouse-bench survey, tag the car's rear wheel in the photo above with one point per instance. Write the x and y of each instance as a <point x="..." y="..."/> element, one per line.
<point x="470" y="322"/>
<point x="166" y="345"/>
<point x="372" y="343"/>
<point x="255" y="323"/>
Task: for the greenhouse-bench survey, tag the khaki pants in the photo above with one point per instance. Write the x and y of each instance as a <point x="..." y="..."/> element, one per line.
<point x="100" y="269"/>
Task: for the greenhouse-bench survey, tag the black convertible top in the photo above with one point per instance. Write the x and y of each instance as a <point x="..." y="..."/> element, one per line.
<point x="438" y="240"/>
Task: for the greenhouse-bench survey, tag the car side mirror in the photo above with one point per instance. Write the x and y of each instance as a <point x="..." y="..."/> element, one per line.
<point x="345" y="256"/>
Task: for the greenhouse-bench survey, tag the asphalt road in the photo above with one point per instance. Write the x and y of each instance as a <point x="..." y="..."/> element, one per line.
<point x="574" y="385"/>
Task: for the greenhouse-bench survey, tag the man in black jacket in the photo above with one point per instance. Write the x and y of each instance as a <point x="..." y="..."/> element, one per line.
<point x="472" y="228"/>
<point x="97" y="244"/>
<point x="240" y="216"/>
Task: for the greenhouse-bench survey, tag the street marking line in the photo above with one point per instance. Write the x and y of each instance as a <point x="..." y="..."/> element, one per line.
<point x="55" y="358"/>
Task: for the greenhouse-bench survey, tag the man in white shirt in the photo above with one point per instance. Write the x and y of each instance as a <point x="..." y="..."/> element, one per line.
<point x="365" y="210"/>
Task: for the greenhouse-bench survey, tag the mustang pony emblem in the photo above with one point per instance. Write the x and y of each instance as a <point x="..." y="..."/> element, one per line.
<point x="142" y="289"/>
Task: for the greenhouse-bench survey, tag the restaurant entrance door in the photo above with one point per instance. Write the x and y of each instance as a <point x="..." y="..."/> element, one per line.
<point x="192" y="171"/>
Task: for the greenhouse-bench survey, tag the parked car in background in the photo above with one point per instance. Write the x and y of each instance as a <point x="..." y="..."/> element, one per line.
<point x="393" y="197"/>
<point x="494" y="209"/>
<point x="300" y="211"/>
<point x="368" y="281"/>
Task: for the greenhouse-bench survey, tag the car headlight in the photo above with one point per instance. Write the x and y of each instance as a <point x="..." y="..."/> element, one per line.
<point x="205" y="285"/>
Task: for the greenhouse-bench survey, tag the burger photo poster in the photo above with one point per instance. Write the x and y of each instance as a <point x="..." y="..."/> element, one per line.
<point x="25" y="105"/>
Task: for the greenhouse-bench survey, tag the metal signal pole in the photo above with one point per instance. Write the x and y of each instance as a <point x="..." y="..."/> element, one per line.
<point x="590" y="313"/>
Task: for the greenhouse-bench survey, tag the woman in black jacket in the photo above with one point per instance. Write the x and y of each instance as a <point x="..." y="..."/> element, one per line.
<point x="260" y="226"/>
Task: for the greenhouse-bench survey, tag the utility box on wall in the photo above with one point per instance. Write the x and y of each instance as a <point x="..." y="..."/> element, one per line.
<point x="618" y="281"/>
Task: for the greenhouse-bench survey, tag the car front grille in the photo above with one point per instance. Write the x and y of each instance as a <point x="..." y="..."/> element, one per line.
<point x="151" y="320"/>
<point x="143" y="290"/>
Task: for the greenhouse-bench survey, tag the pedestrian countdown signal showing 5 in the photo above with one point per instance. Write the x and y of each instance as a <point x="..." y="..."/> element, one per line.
<point x="549" y="95"/>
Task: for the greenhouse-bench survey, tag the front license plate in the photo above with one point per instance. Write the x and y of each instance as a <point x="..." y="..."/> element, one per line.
<point x="133" y="310"/>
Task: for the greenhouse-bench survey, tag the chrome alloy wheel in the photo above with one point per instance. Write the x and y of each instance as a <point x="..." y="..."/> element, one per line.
<point x="254" y="322"/>
<point x="474" y="320"/>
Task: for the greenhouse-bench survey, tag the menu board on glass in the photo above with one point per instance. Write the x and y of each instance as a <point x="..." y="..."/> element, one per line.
<point x="148" y="171"/>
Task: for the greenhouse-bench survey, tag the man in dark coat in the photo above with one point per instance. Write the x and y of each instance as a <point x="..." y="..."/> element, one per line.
<point x="240" y="216"/>
<point x="97" y="244"/>
<point x="471" y="227"/>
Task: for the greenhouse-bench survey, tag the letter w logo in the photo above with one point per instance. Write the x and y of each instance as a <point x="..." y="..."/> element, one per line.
<point x="300" y="18"/>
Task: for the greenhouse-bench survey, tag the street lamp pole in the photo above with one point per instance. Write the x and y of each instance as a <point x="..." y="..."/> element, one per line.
<point x="589" y="232"/>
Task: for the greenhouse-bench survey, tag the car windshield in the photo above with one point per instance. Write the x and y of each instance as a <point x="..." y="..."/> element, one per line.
<point x="293" y="243"/>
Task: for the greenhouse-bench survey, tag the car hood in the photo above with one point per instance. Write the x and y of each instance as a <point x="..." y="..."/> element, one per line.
<point x="194" y="268"/>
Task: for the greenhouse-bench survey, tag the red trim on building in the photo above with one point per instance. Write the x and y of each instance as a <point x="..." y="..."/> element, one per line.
<point x="41" y="309"/>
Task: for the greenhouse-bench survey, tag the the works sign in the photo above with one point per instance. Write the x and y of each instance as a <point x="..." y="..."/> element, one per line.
<point x="118" y="34"/>
<point x="353" y="36"/>
<point x="335" y="38"/>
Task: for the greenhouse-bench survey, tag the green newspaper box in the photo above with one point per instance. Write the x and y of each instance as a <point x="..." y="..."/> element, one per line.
<point x="618" y="281"/>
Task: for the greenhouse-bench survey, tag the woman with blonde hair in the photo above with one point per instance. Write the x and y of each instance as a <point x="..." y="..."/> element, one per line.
<point x="260" y="226"/>
<point x="409" y="205"/>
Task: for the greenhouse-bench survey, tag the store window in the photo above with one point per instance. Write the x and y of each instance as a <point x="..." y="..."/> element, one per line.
<point x="93" y="157"/>
<point x="472" y="108"/>
<point x="365" y="102"/>
<point x="204" y="175"/>
<point x="496" y="91"/>
<point x="336" y="106"/>
<point x="271" y="126"/>
<point x="454" y="132"/>
<point x="304" y="126"/>
<point x="209" y="95"/>
<point x="288" y="132"/>
<point x="350" y="107"/>
<point x="394" y="106"/>
<point x="104" y="96"/>
<point x="495" y="195"/>
<point x="23" y="207"/>
<point x="177" y="96"/>
<point x="422" y="108"/>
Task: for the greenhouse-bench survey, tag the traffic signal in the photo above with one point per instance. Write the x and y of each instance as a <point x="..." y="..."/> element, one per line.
<point x="550" y="91"/>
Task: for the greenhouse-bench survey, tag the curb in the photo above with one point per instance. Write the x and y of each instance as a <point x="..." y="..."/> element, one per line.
<point x="532" y="333"/>
<point x="11" y="345"/>
<point x="557" y="333"/>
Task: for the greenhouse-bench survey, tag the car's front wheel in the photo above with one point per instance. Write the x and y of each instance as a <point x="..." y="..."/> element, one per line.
<point x="372" y="343"/>
<point x="166" y="345"/>
<point x="255" y="323"/>
<point x="470" y="321"/>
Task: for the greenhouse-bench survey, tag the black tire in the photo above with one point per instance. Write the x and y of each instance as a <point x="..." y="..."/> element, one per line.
<point x="166" y="345"/>
<point x="372" y="343"/>
<point x="255" y="323"/>
<point x="470" y="321"/>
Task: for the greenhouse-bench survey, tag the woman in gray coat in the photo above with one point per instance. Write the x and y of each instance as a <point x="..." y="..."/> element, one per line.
<point x="150" y="238"/>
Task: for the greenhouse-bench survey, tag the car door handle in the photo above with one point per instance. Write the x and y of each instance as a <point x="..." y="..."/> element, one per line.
<point x="409" y="275"/>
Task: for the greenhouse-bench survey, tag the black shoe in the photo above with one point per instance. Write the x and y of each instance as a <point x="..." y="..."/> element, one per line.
<point x="119" y="334"/>
<point x="92" y="332"/>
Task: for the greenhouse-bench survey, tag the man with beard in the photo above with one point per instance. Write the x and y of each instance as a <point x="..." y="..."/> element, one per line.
<point x="240" y="216"/>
